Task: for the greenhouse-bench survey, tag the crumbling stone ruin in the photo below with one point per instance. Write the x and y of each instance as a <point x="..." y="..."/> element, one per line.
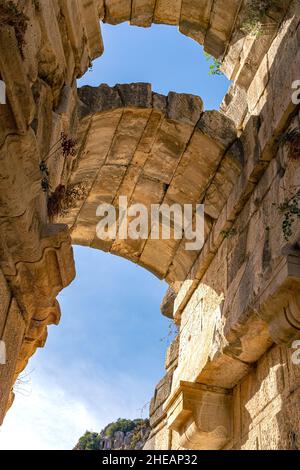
<point x="232" y="381"/>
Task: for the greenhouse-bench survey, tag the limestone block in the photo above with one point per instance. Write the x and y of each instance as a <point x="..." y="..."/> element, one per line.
<point x="195" y="170"/>
<point x="167" y="304"/>
<point x="117" y="11"/>
<point x="172" y="354"/>
<point x="105" y="188"/>
<point x="21" y="177"/>
<point x="52" y="61"/>
<point x="194" y="18"/>
<point x="90" y="19"/>
<point x="223" y="371"/>
<point x="167" y="11"/>
<point x="283" y="53"/>
<point x="142" y="12"/>
<point x="161" y="394"/>
<point x="184" y="108"/>
<point x="181" y="264"/>
<point x="157" y="255"/>
<point x="231" y="63"/>
<point x="42" y="123"/>
<point x="101" y="127"/>
<point x="258" y="85"/>
<point x="17" y="86"/>
<point x="219" y="127"/>
<point x="223" y="181"/>
<point x="32" y="42"/>
<point x="283" y="315"/>
<point x="98" y="99"/>
<point x="159" y="102"/>
<point x="235" y="105"/>
<point x="201" y="415"/>
<point x="167" y="150"/>
<point x="73" y="18"/>
<point x="148" y="138"/>
<point x="136" y="95"/>
<point x="128" y="135"/>
<point x="163" y="389"/>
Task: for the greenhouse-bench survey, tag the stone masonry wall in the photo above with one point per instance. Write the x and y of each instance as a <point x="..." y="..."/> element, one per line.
<point x="229" y="382"/>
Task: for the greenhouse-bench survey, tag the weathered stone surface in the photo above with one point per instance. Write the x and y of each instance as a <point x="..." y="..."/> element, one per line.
<point x="237" y="295"/>
<point x="218" y="127"/>
<point x="98" y="99"/>
<point x="222" y="19"/>
<point x="17" y="87"/>
<point x="172" y="354"/>
<point x="136" y="95"/>
<point x="208" y="411"/>
<point x="167" y="11"/>
<point x="12" y="336"/>
<point x="194" y="18"/>
<point x="117" y="11"/>
<point x="142" y="12"/>
<point x="167" y="304"/>
<point x="184" y="108"/>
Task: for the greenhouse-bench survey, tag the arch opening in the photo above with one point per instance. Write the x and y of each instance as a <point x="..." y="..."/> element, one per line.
<point x="159" y="55"/>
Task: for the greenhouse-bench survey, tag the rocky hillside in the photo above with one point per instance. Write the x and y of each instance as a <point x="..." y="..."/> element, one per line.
<point x="122" y="434"/>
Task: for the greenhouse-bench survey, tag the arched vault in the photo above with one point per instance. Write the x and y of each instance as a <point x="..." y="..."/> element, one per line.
<point x="205" y="21"/>
<point x="153" y="149"/>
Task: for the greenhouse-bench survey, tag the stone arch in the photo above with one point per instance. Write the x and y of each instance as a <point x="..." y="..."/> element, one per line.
<point x="207" y="22"/>
<point x="153" y="149"/>
<point x="256" y="268"/>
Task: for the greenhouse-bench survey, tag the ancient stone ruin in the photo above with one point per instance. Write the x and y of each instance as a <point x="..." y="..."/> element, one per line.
<point x="232" y="379"/>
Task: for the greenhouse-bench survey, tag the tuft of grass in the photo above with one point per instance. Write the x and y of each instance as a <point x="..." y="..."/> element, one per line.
<point x="291" y="211"/>
<point x="256" y="24"/>
<point x="63" y="199"/>
<point x="215" y="66"/>
<point x="292" y="139"/>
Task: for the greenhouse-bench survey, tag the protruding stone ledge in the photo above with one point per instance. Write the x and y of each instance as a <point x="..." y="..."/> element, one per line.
<point x="201" y="415"/>
<point x="167" y="304"/>
<point x="278" y="301"/>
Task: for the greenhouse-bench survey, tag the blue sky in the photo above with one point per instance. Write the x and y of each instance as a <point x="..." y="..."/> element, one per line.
<point x="106" y="356"/>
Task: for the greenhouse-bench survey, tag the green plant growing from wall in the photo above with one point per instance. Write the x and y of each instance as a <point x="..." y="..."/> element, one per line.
<point x="215" y="66"/>
<point x="291" y="211"/>
<point x="292" y="139"/>
<point x="66" y="147"/>
<point x="256" y="22"/>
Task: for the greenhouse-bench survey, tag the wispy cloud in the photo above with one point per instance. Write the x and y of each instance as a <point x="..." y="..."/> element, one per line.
<point x="100" y="364"/>
<point x="52" y="412"/>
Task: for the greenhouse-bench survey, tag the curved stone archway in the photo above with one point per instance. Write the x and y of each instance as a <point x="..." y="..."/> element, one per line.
<point x="241" y="294"/>
<point x="209" y="23"/>
<point x="153" y="150"/>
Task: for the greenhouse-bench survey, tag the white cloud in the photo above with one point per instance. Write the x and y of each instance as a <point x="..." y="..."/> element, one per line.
<point x="46" y="419"/>
<point x="51" y="412"/>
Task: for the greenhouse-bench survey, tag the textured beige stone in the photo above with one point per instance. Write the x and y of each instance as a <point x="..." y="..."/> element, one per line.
<point x="194" y="18"/>
<point x="142" y="12"/>
<point x="17" y="87"/>
<point x="167" y="11"/>
<point x="12" y="336"/>
<point x="117" y="11"/>
<point x="235" y="297"/>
